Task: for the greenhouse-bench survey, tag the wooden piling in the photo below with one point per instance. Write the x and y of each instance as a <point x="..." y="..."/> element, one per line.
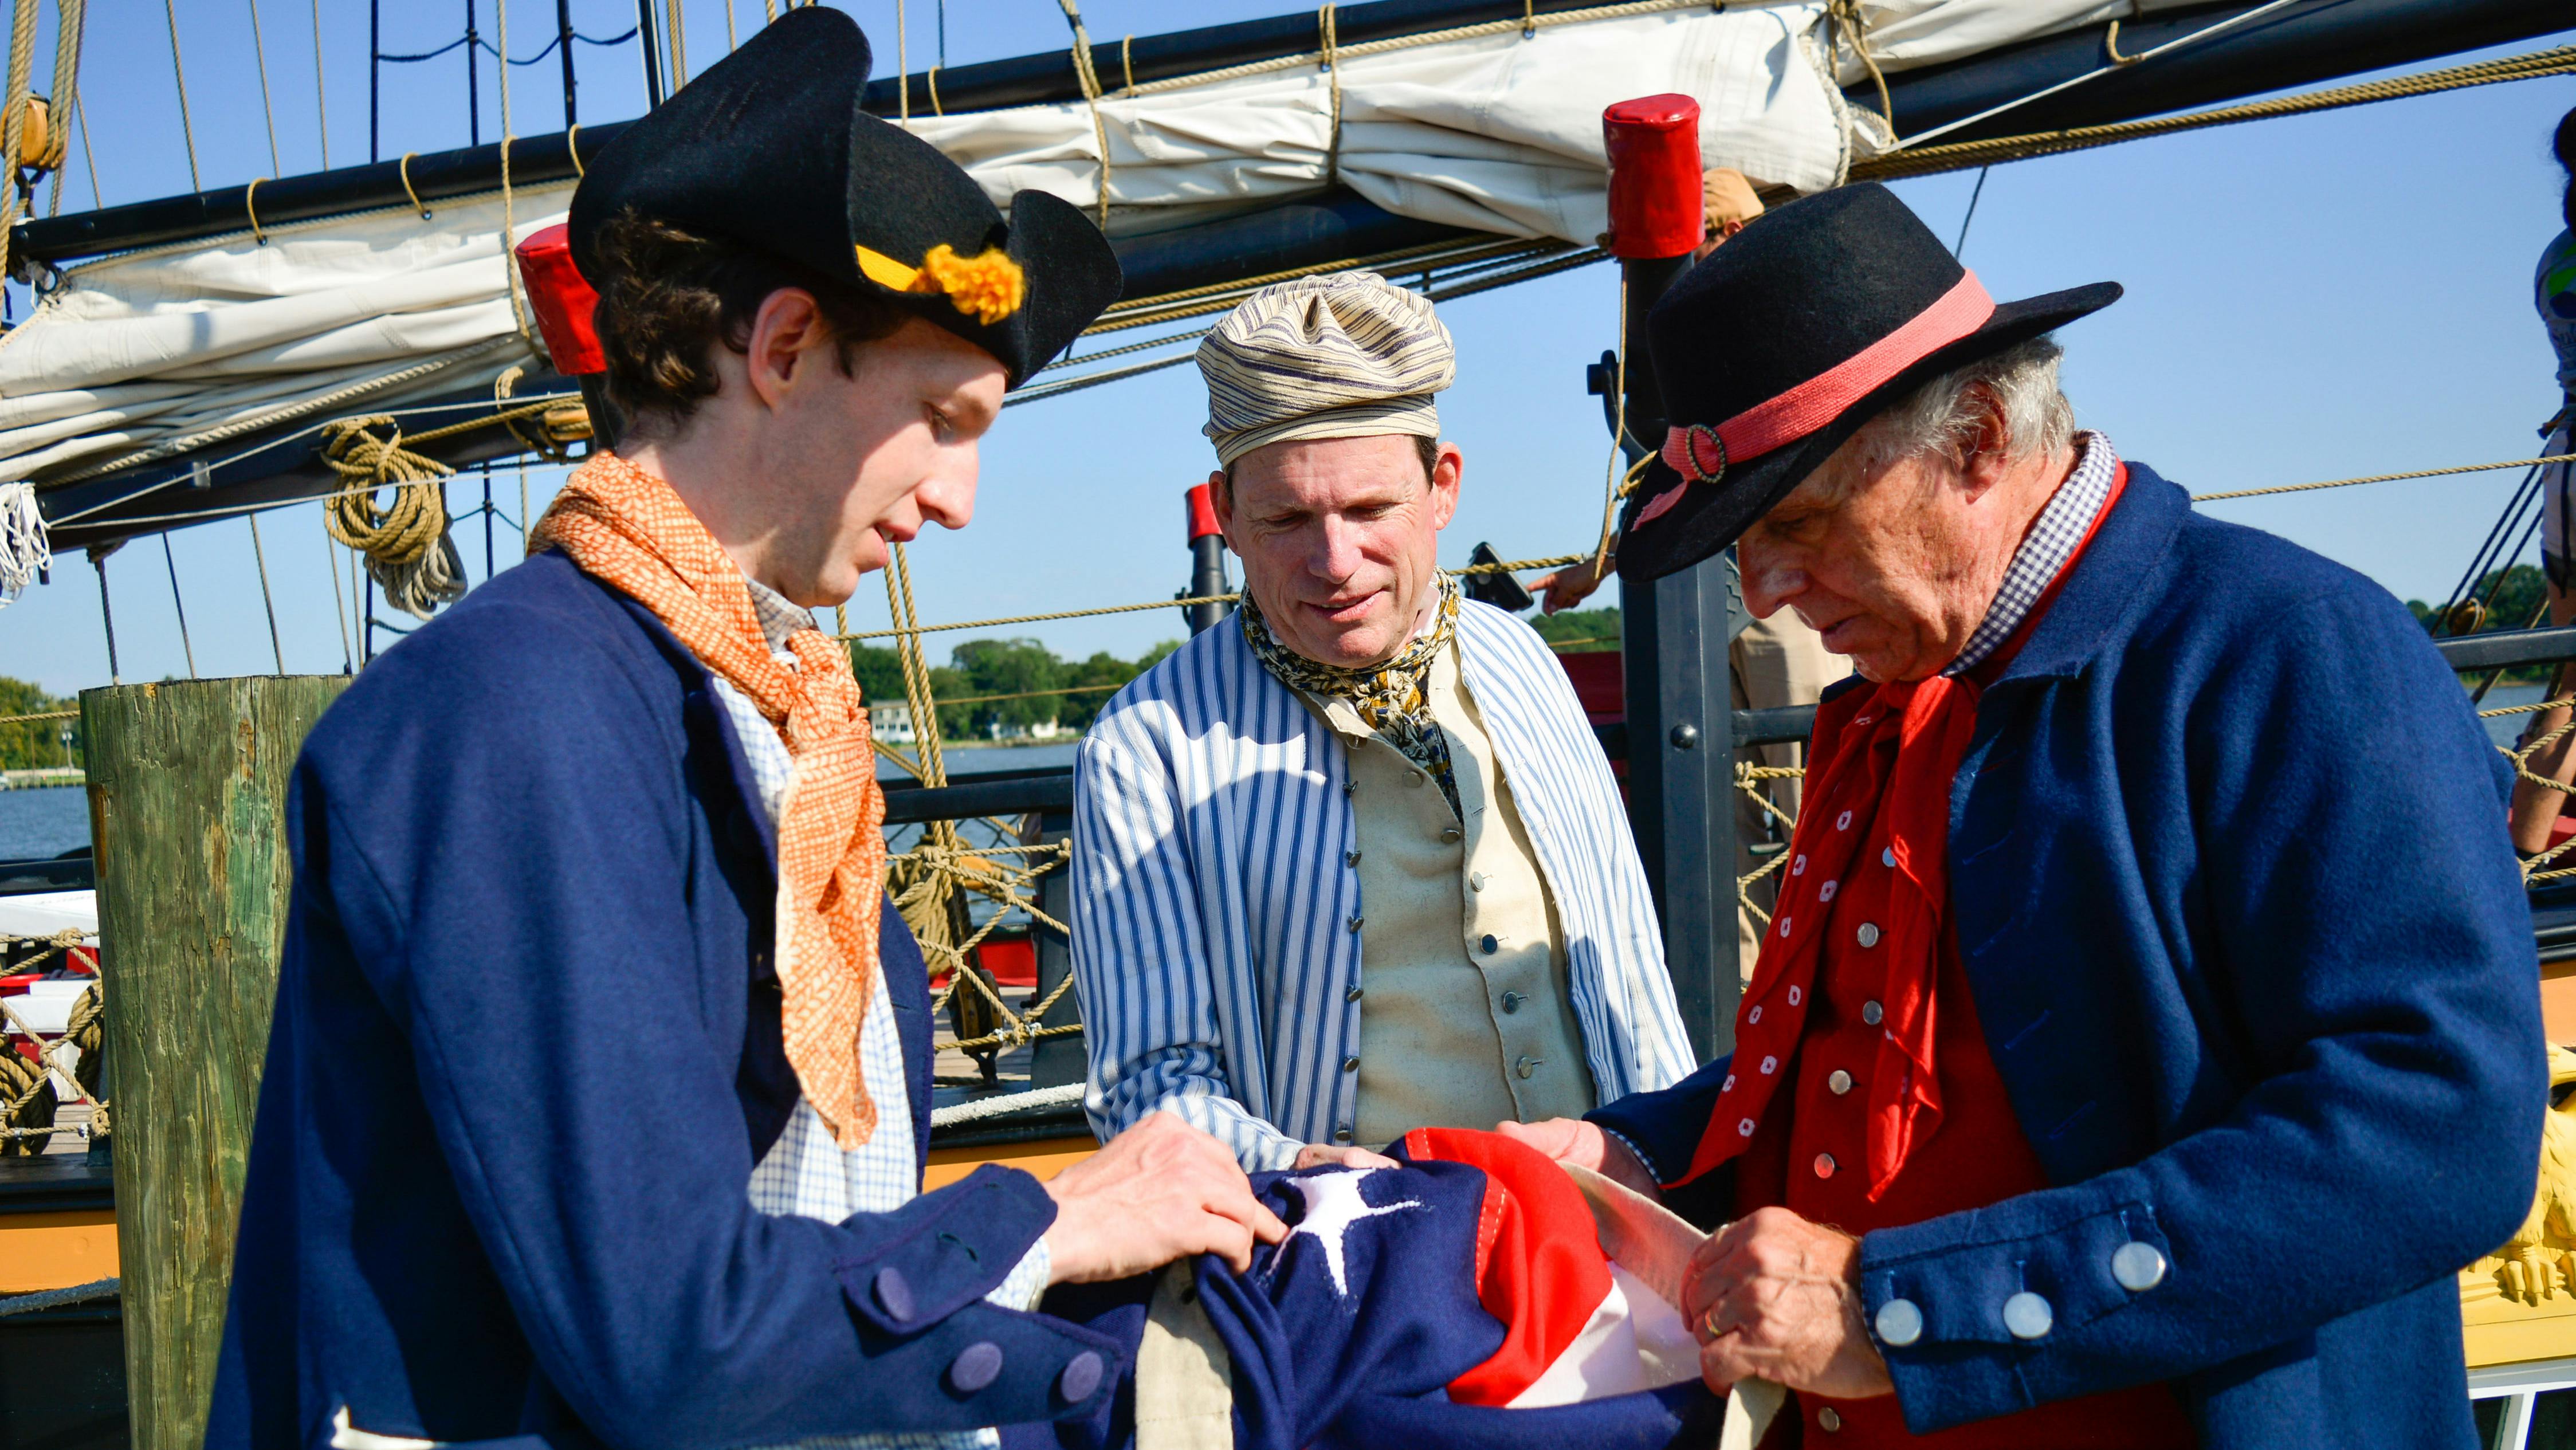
<point x="187" y="784"/>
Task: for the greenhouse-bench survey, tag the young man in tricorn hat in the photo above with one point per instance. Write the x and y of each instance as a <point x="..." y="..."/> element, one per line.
<point x="2147" y="1030"/>
<point x="597" y="1096"/>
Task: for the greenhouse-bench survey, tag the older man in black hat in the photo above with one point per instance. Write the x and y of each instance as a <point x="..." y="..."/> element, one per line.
<point x="597" y="1097"/>
<point x="2148" y="1026"/>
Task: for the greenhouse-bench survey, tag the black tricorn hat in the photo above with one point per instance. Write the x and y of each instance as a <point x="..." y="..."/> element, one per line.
<point x="1776" y="349"/>
<point x="771" y="147"/>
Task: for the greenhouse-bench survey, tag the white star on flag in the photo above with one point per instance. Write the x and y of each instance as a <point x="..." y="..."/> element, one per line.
<point x="1333" y="1204"/>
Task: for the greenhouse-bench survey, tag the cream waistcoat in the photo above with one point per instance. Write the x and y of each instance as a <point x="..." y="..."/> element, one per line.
<point x="1466" y="1019"/>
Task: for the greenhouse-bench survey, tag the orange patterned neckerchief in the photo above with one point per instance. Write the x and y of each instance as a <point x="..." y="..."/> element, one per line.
<point x="628" y="529"/>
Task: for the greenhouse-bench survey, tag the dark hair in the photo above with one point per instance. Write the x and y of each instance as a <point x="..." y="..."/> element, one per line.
<point x="670" y="297"/>
<point x="2565" y="145"/>
<point x="1426" y="449"/>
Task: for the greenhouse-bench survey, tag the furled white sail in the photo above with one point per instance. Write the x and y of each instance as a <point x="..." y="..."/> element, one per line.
<point x="165" y="351"/>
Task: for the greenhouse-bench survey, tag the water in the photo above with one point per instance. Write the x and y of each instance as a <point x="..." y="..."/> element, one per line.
<point x="2503" y="728"/>
<point x="40" y="823"/>
<point x="976" y="760"/>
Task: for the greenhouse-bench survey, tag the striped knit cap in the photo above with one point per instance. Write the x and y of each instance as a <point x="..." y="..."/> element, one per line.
<point x="1348" y="355"/>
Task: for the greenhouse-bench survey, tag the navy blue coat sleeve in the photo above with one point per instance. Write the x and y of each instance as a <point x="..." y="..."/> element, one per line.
<point x="2321" y="879"/>
<point x="507" y="865"/>
<point x="1663" y="1125"/>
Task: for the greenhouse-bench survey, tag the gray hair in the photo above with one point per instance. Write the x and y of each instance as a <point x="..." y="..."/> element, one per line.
<point x="1940" y="418"/>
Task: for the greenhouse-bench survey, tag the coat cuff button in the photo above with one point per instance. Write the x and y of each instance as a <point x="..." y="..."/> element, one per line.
<point x="894" y="1295"/>
<point x="1899" y="1323"/>
<point x="1081" y="1376"/>
<point x="976" y="1366"/>
<point x="2138" y="1267"/>
<point x="2028" y="1316"/>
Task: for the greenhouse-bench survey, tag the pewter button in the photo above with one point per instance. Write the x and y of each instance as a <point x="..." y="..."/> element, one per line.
<point x="1872" y="1013"/>
<point x="1352" y="995"/>
<point x="2028" y="1316"/>
<point x="1451" y="835"/>
<point x="1868" y="933"/>
<point x="1490" y="945"/>
<point x="1824" y="1165"/>
<point x="1525" y="1066"/>
<point x="1341" y="1135"/>
<point x="1512" y="1002"/>
<point x="1827" y="1420"/>
<point x="1350" y="1064"/>
<point x="1475" y="880"/>
<point x="1356" y="922"/>
<point x="1350" y="858"/>
<point x="1839" y="1081"/>
<point x="978" y="1365"/>
<point x="1900" y="1323"/>
<point x="894" y="1295"/>
<point x="1081" y="1376"/>
<point x="2138" y="1267"/>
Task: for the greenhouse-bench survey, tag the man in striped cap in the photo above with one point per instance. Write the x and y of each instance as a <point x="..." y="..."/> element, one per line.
<point x="1353" y="863"/>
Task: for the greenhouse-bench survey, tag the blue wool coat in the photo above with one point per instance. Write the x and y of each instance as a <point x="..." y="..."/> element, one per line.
<point x="526" y="1051"/>
<point x="2231" y="883"/>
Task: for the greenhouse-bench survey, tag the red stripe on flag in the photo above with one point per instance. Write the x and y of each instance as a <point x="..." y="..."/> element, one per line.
<point x="1539" y="1266"/>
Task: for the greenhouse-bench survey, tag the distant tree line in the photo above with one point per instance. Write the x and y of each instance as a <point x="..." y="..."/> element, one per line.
<point x="35" y="744"/>
<point x="1033" y="686"/>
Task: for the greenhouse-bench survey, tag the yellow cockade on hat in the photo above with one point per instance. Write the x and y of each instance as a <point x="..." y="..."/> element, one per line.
<point x="987" y="288"/>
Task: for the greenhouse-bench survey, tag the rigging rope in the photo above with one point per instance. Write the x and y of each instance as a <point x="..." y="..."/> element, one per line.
<point x="1919" y="161"/>
<point x="259" y="556"/>
<point x="1090" y="80"/>
<point x="187" y="128"/>
<point x="70" y="19"/>
<point x="321" y="99"/>
<point x="15" y="116"/>
<point x="179" y="605"/>
<point x="259" y="53"/>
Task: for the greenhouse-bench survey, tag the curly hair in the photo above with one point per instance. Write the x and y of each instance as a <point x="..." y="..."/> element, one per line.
<point x="669" y="297"/>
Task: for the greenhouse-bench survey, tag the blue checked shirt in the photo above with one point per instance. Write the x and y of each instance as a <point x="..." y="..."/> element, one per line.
<point x="805" y="1174"/>
<point x="1216" y="902"/>
<point x="2053" y="539"/>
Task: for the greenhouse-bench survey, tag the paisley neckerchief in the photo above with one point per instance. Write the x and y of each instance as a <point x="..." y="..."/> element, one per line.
<point x="1393" y="697"/>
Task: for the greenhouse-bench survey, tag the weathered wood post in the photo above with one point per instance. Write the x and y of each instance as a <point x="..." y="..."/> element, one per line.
<point x="187" y="785"/>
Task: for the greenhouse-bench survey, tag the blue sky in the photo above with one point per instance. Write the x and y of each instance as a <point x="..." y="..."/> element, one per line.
<point x="2309" y="298"/>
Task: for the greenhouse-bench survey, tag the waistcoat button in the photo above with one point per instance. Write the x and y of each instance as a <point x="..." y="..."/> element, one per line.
<point x="1451" y="835"/>
<point x="1356" y="921"/>
<point x="1827" y="1420"/>
<point x="1413" y="777"/>
<point x="1475" y="880"/>
<point x="1839" y="1081"/>
<point x="1824" y="1165"/>
<point x="1899" y="1323"/>
<point x="1868" y="933"/>
<point x="1352" y="995"/>
<point x="977" y="1365"/>
<point x="2028" y="1316"/>
<point x="1512" y="1001"/>
<point x="1872" y="1013"/>
<point x="1342" y="1134"/>
<point x="1525" y="1066"/>
<point x="1490" y="945"/>
<point x="1350" y="1064"/>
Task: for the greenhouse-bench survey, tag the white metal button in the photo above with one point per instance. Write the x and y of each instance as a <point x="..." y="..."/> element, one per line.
<point x="1475" y="880"/>
<point x="1839" y="1081"/>
<point x="1824" y="1165"/>
<point x="1872" y="1013"/>
<point x="1887" y="857"/>
<point x="1899" y="1323"/>
<point x="2028" y="1316"/>
<point x="1868" y="933"/>
<point x="1827" y="1420"/>
<point x="1525" y="1066"/>
<point x="2138" y="1267"/>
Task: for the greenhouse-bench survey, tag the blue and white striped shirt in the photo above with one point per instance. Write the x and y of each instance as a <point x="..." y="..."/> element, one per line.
<point x="1215" y="902"/>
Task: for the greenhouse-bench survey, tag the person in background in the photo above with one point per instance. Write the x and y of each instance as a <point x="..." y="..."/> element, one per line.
<point x="1774" y="663"/>
<point x="2147" y="943"/>
<point x="1353" y="862"/>
<point x="598" y="1096"/>
<point x="2536" y="807"/>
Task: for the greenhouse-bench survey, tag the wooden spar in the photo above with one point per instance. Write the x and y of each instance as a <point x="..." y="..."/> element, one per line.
<point x="187" y="787"/>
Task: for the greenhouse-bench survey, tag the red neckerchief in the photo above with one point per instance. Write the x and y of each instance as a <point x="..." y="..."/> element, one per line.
<point x="1878" y="793"/>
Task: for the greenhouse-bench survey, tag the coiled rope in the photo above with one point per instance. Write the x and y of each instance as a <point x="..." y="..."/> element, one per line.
<point x="25" y="553"/>
<point x="409" y="553"/>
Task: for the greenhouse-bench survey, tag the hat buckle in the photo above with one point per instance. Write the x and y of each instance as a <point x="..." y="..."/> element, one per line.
<point x="1691" y="434"/>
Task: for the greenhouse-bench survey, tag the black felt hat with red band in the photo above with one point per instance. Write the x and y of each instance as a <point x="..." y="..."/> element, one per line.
<point x="1775" y="350"/>
<point x="772" y="147"/>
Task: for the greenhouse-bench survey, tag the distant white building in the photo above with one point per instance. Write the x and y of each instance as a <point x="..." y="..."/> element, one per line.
<point x="891" y="722"/>
<point x="1043" y="730"/>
